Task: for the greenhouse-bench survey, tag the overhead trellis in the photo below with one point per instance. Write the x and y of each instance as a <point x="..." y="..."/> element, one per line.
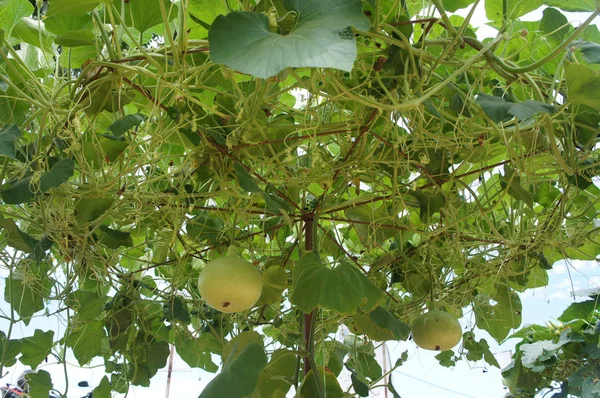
<point x="371" y="158"/>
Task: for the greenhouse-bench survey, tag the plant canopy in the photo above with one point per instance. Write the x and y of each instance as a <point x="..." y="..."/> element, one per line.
<point x="370" y="158"/>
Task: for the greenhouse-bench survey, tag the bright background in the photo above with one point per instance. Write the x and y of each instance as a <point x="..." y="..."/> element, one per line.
<point x="420" y="377"/>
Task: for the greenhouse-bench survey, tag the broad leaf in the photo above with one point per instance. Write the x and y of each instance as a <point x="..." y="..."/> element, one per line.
<point x="275" y="380"/>
<point x="76" y="38"/>
<point x="478" y="349"/>
<point x="274" y="281"/>
<point x="25" y="190"/>
<point x="88" y="305"/>
<point x="36" y="348"/>
<point x="381" y="325"/>
<point x="8" y="135"/>
<point x="16" y="238"/>
<point x="343" y="289"/>
<point x="12" y="12"/>
<point x="61" y="24"/>
<point x="321" y="38"/>
<point x="114" y="239"/>
<point x="87" y="341"/>
<point x="498" y="311"/>
<point x="235" y="346"/>
<point x="326" y="382"/>
<point x="581" y="310"/>
<point x="23" y="297"/>
<point x="88" y="208"/>
<point x="122" y="125"/>
<point x="103" y="389"/>
<point x="272" y="202"/>
<point x="499" y="110"/>
<point x="583" y="84"/>
<point x="10" y="349"/>
<point x="240" y="376"/>
<point x="368" y="226"/>
<point x="195" y="352"/>
<point x="40" y="384"/>
<point x="70" y="7"/>
<point x="144" y="14"/>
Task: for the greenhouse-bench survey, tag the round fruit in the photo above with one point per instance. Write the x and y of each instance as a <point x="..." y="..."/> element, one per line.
<point x="230" y="283"/>
<point x="436" y="330"/>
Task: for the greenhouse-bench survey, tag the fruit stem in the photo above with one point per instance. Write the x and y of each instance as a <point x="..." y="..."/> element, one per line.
<point x="232" y="251"/>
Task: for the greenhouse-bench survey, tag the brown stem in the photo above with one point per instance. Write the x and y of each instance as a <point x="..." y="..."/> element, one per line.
<point x="308" y="326"/>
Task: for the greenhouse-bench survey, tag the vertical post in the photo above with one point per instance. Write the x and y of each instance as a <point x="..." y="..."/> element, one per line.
<point x="170" y="371"/>
<point x="308" y="318"/>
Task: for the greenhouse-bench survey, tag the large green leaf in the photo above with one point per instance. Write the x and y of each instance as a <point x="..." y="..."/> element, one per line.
<point x="321" y="38"/>
<point x="88" y="340"/>
<point x="515" y="9"/>
<point x="203" y="13"/>
<point x="36" y="348"/>
<point x="453" y="5"/>
<point x="25" y="298"/>
<point x="519" y="379"/>
<point x="498" y="310"/>
<point x="25" y="190"/>
<point x="9" y="350"/>
<point x="16" y="238"/>
<point x="195" y="352"/>
<point x="498" y="109"/>
<point x="583" y="84"/>
<point x="8" y="135"/>
<point x="326" y="382"/>
<point x="276" y="378"/>
<point x="12" y="12"/>
<point x="272" y="202"/>
<point x="103" y="389"/>
<point x="70" y="7"/>
<point x="239" y="377"/>
<point x="114" y="239"/>
<point x="370" y="218"/>
<point x="274" y="281"/>
<point x="89" y="208"/>
<point x="122" y="125"/>
<point x="40" y="384"/>
<point x="61" y="23"/>
<point x="555" y="24"/>
<point x="381" y="325"/>
<point x="581" y="310"/>
<point x="88" y="305"/>
<point x="76" y="38"/>
<point x="343" y="289"/>
<point x="478" y="349"/>
<point x="568" y="5"/>
<point x="144" y="14"/>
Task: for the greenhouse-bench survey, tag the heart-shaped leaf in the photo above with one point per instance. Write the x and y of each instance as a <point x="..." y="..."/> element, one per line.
<point x="321" y="38"/>
<point x="343" y="289"/>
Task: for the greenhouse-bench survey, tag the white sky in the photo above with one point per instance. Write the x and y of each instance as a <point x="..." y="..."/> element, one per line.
<point x="420" y="377"/>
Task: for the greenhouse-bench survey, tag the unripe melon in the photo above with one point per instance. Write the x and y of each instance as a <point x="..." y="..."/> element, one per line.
<point x="230" y="283"/>
<point x="436" y="330"/>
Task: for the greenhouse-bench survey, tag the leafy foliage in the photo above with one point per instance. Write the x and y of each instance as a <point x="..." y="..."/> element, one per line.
<point x="560" y="357"/>
<point x="369" y="159"/>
